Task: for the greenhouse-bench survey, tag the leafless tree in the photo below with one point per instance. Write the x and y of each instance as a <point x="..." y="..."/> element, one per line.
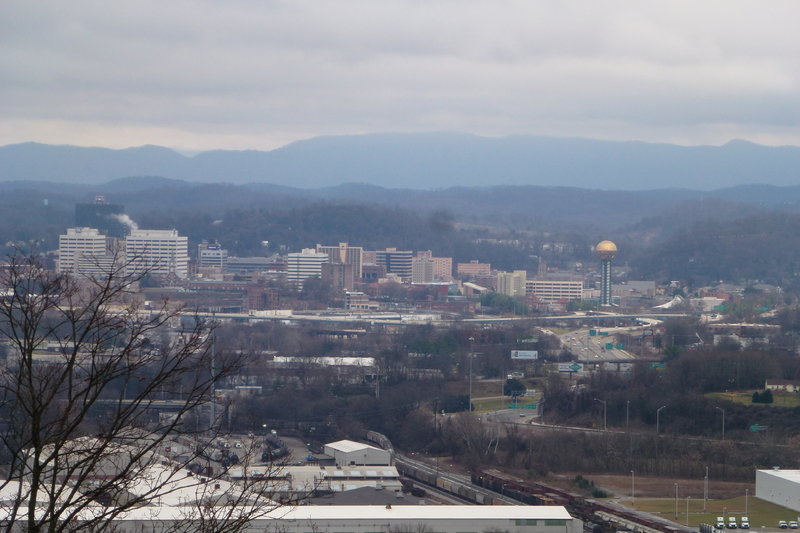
<point x="83" y="445"/>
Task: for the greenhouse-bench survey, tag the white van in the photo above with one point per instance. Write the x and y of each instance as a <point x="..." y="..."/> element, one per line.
<point x="745" y="523"/>
<point x="720" y="523"/>
<point x="731" y="522"/>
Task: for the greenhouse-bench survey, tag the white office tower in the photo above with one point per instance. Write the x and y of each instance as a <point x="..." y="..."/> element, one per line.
<point x="303" y="265"/>
<point x="86" y="252"/>
<point x="157" y="252"/>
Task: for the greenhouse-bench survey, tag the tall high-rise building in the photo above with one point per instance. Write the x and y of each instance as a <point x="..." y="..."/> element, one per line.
<point x="86" y="252"/>
<point x="108" y="218"/>
<point x="606" y="251"/>
<point x="338" y="276"/>
<point x="512" y="283"/>
<point x="303" y="265"/>
<point x="422" y="270"/>
<point x="345" y="254"/>
<point x="397" y="262"/>
<point x="442" y="266"/>
<point x="157" y="252"/>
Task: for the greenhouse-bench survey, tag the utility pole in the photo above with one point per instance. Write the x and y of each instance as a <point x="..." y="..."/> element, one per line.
<point x="723" y="421"/>
<point x="658" y="418"/>
<point x="705" y="491"/>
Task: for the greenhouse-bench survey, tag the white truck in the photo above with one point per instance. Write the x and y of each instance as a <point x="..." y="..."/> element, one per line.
<point x="745" y="523"/>
<point x="720" y="522"/>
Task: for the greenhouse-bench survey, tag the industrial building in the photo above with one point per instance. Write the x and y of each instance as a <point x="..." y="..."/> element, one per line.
<point x="294" y="483"/>
<point x="781" y="487"/>
<point x="348" y="452"/>
<point x="370" y="518"/>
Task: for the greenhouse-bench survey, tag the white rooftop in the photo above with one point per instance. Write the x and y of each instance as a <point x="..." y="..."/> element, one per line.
<point x="349" y="446"/>
<point x="788" y="475"/>
<point x="424" y="512"/>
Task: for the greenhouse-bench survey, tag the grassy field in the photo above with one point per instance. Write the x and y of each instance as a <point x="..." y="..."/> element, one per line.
<point x="780" y="399"/>
<point x="761" y="513"/>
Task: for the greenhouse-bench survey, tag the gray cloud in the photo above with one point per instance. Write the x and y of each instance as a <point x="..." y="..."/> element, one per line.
<point x="252" y="74"/>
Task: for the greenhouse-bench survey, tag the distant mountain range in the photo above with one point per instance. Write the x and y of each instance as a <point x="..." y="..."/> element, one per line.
<point x="423" y="161"/>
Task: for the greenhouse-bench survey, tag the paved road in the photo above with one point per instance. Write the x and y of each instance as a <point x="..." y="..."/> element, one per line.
<point x="586" y="347"/>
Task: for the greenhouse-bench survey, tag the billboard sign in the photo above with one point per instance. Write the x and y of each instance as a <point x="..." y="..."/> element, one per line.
<point x="525" y="354"/>
<point x="570" y="367"/>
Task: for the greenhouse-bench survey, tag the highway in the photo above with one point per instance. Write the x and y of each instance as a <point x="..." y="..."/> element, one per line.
<point x="589" y="348"/>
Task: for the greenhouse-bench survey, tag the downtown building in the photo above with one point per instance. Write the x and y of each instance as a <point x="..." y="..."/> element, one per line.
<point x="512" y="283"/>
<point x="87" y="252"/>
<point x="344" y="254"/>
<point x="554" y="290"/>
<point x="442" y="266"/>
<point x="397" y="262"/>
<point x="303" y="265"/>
<point x="158" y="252"/>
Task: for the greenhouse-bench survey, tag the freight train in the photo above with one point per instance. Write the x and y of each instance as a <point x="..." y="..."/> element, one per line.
<point x="597" y="516"/>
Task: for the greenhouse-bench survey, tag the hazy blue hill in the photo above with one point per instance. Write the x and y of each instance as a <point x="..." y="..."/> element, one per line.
<point x="424" y="161"/>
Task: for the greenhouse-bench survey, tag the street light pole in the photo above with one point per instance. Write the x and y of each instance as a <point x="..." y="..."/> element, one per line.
<point x="705" y="491"/>
<point x="471" y="341"/>
<point x="605" y="420"/>
<point x="746" y="497"/>
<point x="723" y="421"/>
<point x="628" y="416"/>
<point x="687" y="509"/>
<point x="633" y="487"/>
<point x="676" y="501"/>
<point x="658" y="417"/>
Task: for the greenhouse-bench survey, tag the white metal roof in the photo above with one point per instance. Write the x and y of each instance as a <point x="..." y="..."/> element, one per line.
<point x="353" y="513"/>
<point x="349" y="446"/>
<point x="788" y="475"/>
<point x="423" y="512"/>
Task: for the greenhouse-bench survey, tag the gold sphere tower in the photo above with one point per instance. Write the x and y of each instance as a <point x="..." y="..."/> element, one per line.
<point x="606" y="251"/>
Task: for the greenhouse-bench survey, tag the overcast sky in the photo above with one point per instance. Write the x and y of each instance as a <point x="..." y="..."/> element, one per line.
<point x="259" y="74"/>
